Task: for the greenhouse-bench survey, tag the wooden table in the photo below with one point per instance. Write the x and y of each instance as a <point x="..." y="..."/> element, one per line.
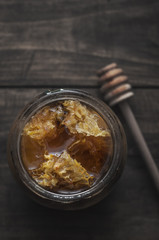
<point x="57" y="44"/>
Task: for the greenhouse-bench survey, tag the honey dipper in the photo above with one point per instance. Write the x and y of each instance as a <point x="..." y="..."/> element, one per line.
<point x="116" y="89"/>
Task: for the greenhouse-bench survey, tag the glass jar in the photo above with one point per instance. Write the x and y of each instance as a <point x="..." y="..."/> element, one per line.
<point x="107" y="179"/>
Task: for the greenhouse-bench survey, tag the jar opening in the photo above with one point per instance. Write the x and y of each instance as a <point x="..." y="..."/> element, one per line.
<point x="66" y="146"/>
<point x="110" y="170"/>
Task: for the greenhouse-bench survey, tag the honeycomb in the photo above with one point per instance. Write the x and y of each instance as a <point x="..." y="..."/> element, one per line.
<point x="64" y="146"/>
<point x="62" y="171"/>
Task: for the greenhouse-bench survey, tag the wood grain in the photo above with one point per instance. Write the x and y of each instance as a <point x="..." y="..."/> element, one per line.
<point x="46" y="41"/>
<point x="53" y="68"/>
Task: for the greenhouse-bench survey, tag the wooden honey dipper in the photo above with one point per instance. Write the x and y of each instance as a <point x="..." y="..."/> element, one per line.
<point x="116" y="89"/>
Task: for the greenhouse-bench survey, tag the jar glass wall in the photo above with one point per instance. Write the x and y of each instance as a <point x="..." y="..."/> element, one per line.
<point x="107" y="179"/>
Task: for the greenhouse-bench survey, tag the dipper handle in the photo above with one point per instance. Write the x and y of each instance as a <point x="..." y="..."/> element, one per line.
<point x="116" y="89"/>
<point x="140" y="141"/>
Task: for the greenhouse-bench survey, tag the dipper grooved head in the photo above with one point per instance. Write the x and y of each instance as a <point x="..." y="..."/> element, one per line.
<point x="114" y="84"/>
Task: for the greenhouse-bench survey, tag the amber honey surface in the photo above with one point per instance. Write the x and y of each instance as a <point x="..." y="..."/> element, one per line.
<point x="64" y="146"/>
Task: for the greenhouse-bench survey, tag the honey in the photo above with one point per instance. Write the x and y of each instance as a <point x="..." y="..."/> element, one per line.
<point x="65" y="146"/>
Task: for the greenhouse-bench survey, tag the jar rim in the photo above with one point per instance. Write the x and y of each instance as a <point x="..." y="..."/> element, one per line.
<point x="50" y="96"/>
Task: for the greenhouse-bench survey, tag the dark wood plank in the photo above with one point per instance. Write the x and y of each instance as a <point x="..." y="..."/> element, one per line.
<point x="46" y="41"/>
<point x="144" y="105"/>
<point x="130" y="212"/>
<point x="39" y="10"/>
